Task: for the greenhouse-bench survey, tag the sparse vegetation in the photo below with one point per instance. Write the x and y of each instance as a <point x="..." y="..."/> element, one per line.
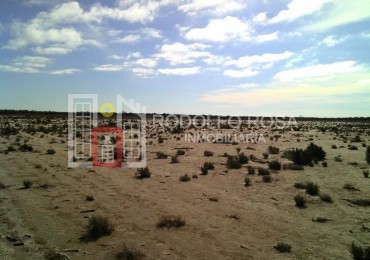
<point x="350" y="186"/>
<point x="265" y="155"/>
<point x="326" y="198"/>
<point x="185" y="178"/>
<point x="366" y="174"/>
<point x="52" y="255"/>
<point x="161" y="155"/>
<point x="320" y="220"/>
<point x="251" y="170"/>
<point x="324" y="164"/>
<point x="368" y="154"/>
<point x="361" y="202"/>
<point x="300" y="185"/>
<point x="130" y="254"/>
<point x="26" y="148"/>
<point x="96" y="228"/>
<point x="293" y="166"/>
<point x="208" y="153"/>
<point x="11" y="149"/>
<point x="89" y="198"/>
<point x="307" y="156"/>
<point x="247" y="182"/>
<point x="263" y="171"/>
<point x="174" y="159"/>
<point x="275" y="165"/>
<point x="267" y="178"/>
<point x="170" y="221"/>
<point x="143" y="173"/>
<point x="2" y="185"/>
<point x="312" y="189"/>
<point x="50" y="151"/>
<point x="213" y="199"/>
<point x="300" y="201"/>
<point x="283" y="248"/>
<point x="27" y="184"/>
<point x="233" y="162"/>
<point x="180" y="152"/>
<point x="273" y="150"/>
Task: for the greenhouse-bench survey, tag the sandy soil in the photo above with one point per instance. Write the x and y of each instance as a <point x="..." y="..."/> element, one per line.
<point x="51" y="218"/>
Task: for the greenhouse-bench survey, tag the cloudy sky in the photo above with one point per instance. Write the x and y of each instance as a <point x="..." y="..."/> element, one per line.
<point x="229" y="57"/>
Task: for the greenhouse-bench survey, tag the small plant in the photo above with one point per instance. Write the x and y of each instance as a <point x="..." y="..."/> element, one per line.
<point x="130" y="254"/>
<point x="267" y="178"/>
<point x="161" y="155"/>
<point x="11" y="149"/>
<point x="320" y="220"/>
<point x="358" y="253"/>
<point x="263" y="171"/>
<point x="368" y="154"/>
<point x="170" y="221"/>
<point x="213" y="199"/>
<point x="204" y="170"/>
<point x="184" y="178"/>
<point x="38" y="166"/>
<point x="27" y="184"/>
<point x="2" y="186"/>
<point x="247" y="182"/>
<point x="96" y="228"/>
<point x="275" y="165"/>
<point x="233" y="162"/>
<point x="243" y="159"/>
<point x="338" y="159"/>
<point x="174" y="159"/>
<point x="195" y="176"/>
<point x="265" y="155"/>
<point x="180" y="152"/>
<point x="350" y="186"/>
<point x="89" y="198"/>
<point x="300" y="201"/>
<point x="361" y="202"/>
<point x="283" y="248"/>
<point x="50" y="151"/>
<point x="326" y="198"/>
<point x="251" y="170"/>
<point x="208" y="153"/>
<point x="324" y="164"/>
<point x="273" y="150"/>
<point x="209" y="165"/>
<point x="366" y="174"/>
<point x="312" y="189"/>
<point x="300" y="185"/>
<point x="143" y="173"/>
<point x="160" y="139"/>
<point x="334" y="146"/>
<point x="26" y="148"/>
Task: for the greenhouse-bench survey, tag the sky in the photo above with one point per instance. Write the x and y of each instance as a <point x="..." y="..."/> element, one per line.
<point x="225" y="57"/>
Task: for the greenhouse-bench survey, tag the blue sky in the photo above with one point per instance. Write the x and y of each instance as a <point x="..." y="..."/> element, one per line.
<point x="228" y="57"/>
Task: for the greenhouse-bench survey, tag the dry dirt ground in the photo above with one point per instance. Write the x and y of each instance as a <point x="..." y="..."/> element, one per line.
<point x="245" y="222"/>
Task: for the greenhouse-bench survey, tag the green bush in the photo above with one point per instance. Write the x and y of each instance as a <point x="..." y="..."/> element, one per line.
<point x="358" y="253"/>
<point x="307" y="156"/>
<point x="275" y="165"/>
<point x="26" y="148"/>
<point x="265" y="155"/>
<point x="324" y="164"/>
<point x="312" y="189"/>
<point x="251" y="170"/>
<point x="283" y="248"/>
<point x="143" y="173"/>
<point x="300" y="201"/>
<point x="243" y="159"/>
<point x="96" y="228"/>
<point x="50" y="151"/>
<point x="27" y="184"/>
<point x="366" y="174"/>
<point x="233" y="162"/>
<point x="267" y="178"/>
<point x="263" y="171"/>
<point x="208" y="153"/>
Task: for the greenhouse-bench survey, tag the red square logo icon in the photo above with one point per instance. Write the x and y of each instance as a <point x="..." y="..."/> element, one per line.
<point x="107" y="147"/>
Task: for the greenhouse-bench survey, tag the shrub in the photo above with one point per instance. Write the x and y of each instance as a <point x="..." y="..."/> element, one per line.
<point x="204" y="170"/>
<point x="334" y="146"/>
<point x="180" y="152"/>
<point x="305" y="157"/>
<point x="242" y="158"/>
<point x="320" y="219"/>
<point x="143" y="173"/>
<point x="361" y="202"/>
<point x="324" y="164"/>
<point x="326" y="198"/>
<point x="312" y="189"/>
<point x="283" y="248"/>
<point x="96" y="228"/>
<point x="184" y="178"/>
<point x="160" y="139"/>
<point x="275" y="165"/>
<point x="208" y="153"/>
<point x="300" y="185"/>
<point x="26" y="148"/>
<point x="130" y="254"/>
<point x="233" y="162"/>
<point x="247" y="182"/>
<point x="265" y="155"/>
<point x="251" y="170"/>
<point x="27" y="184"/>
<point x="300" y="201"/>
<point x="358" y="253"/>
<point x="366" y="174"/>
<point x="174" y="159"/>
<point x="338" y="159"/>
<point x="161" y="155"/>
<point x="368" y="154"/>
<point x="263" y="171"/>
<point x="209" y="165"/>
<point x="350" y="186"/>
<point x="352" y="147"/>
<point x="50" y="151"/>
<point x="266" y="178"/>
<point x="213" y="199"/>
<point x="273" y="150"/>
<point x="195" y="176"/>
<point x="170" y="221"/>
<point x="2" y="185"/>
<point x="11" y="149"/>
<point x="89" y="198"/>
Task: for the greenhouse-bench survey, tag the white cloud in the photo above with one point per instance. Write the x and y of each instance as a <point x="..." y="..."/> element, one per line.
<point x="260" y="18"/>
<point x="149" y="63"/>
<point x="143" y="72"/>
<point x="266" y="58"/>
<point x="363" y="82"/>
<point x="228" y="29"/>
<point x="180" y="71"/>
<point x="317" y="72"/>
<point x="131" y="38"/>
<point x="340" y="13"/>
<point x="331" y="40"/>
<point x="109" y="67"/>
<point x="151" y="33"/>
<point x="241" y="73"/>
<point x="64" y="71"/>
<point x="218" y="7"/>
<point x="179" y="53"/>
<point x="55" y="50"/>
<point x="297" y="9"/>
<point x="26" y="64"/>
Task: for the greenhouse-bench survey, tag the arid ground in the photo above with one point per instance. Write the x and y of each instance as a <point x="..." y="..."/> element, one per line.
<point x="224" y="219"/>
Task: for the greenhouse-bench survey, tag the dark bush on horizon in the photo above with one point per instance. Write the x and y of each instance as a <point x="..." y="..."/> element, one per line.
<point x="307" y="156"/>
